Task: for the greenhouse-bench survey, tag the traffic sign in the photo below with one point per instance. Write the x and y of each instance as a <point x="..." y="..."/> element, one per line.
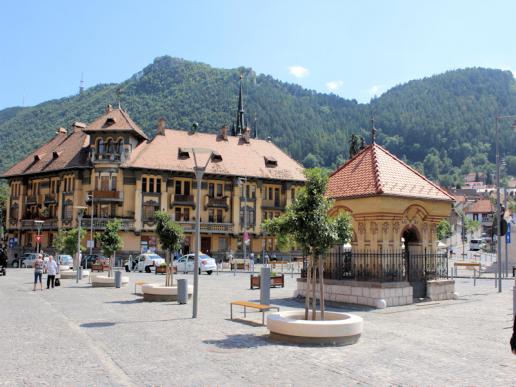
<point x="508" y="235"/>
<point x="246" y="236"/>
<point x="38" y="238"/>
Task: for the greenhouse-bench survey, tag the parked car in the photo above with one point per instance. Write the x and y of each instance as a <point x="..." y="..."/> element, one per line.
<point x="28" y="259"/>
<point x="65" y="261"/>
<point x="185" y="264"/>
<point x="475" y="244"/>
<point x="131" y="264"/>
<point x="89" y="260"/>
<point x="148" y="262"/>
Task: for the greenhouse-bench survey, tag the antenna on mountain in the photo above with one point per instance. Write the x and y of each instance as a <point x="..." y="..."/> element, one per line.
<point x="81" y="84"/>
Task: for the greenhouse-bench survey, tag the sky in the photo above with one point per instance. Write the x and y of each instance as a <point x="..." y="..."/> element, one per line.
<point x="355" y="49"/>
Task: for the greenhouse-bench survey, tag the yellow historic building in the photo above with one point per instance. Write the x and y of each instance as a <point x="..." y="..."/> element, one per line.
<point x="392" y="205"/>
<point x="113" y="168"/>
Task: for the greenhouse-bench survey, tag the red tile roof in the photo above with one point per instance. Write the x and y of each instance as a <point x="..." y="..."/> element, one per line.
<point x="375" y="171"/>
<point x="116" y="120"/>
<point x="62" y="152"/>
<point x="238" y="157"/>
<point x="482" y="206"/>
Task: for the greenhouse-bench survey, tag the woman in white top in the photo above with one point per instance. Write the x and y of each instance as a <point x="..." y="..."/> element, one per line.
<point x="51" y="271"/>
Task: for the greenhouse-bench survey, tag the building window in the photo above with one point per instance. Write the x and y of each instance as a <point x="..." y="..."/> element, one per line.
<point x="178" y="187"/>
<point x="187" y="187"/>
<point x="293" y="194"/>
<point x="120" y="146"/>
<point x="113" y="183"/>
<point x="177" y="214"/>
<point x="158" y="185"/>
<point x="250" y="216"/>
<point x="211" y="216"/>
<point x="144" y="184"/>
<point x="68" y="210"/>
<point x="100" y="146"/>
<point x="151" y="184"/>
<point x="270" y="194"/>
<point x="211" y="190"/>
<point x="13" y="214"/>
<point x="149" y="208"/>
<point x="186" y="214"/>
<point x="220" y="216"/>
<point x="223" y="244"/>
<point x="219" y="190"/>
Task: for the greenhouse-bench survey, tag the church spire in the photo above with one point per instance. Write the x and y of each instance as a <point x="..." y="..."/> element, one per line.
<point x="373" y="130"/>
<point x="240" y="121"/>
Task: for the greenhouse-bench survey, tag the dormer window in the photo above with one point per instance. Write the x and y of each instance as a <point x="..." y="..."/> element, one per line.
<point x="38" y="157"/>
<point x="216" y="157"/>
<point x="270" y="162"/>
<point x="56" y="154"/>
<point x="110" y="121"/>
<point x="183" y="154"/>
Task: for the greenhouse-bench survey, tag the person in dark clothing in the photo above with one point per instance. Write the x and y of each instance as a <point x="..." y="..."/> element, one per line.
<point x="513" y="338"/>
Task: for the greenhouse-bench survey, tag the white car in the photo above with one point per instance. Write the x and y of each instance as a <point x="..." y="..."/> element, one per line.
<point x="148" y="262"/>
<point x="65" y="262"/>
<point x="29" y="258"/>
<point x="185" y="264"/>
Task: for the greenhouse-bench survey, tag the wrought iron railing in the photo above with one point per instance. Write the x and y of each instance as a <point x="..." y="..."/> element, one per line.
<point x="100" y="223"/>
<point x="384" y="266"/>
<point x="220" y="228"/>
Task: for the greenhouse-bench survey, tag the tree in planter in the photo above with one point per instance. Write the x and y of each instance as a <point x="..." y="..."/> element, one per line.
<point x="170" y="236"/>
<point x="111" y="242"/>
<point x="471" y="226"/>
<point x="444" y="230"/>
<point x="308" y="223"/>
<point x="66" y="242"/>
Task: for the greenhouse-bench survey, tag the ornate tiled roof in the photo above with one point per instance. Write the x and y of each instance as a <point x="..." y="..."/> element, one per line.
<point x="256" y="158"/>
<point x="375" y="171"/>
<point x="116" y="120"/>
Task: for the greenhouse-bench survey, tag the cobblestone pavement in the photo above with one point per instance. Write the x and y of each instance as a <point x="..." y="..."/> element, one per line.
<point x="76" y="335"/>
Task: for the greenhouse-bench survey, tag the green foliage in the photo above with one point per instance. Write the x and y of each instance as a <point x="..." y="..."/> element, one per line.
<point x="471" y="225"/>
<point x="307" y="220"/>
<point x="444" y="123"/>
<point x="170" y="233"/>
<point x="59" y="241"/>
<point x="70" y="241"/>
<point x="444" y="230"/>
<point x="109" y="239"/>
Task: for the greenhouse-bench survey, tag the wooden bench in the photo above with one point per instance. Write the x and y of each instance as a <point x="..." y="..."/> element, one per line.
<point x="468" y="264"/>
<point x="138" y="283"/>
<point x="247" y="304"/>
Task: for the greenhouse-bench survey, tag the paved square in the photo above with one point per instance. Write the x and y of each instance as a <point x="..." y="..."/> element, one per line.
<point x="76" y="335"/>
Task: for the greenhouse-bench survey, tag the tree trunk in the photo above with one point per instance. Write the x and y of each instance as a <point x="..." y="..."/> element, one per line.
<point x="111" y="265"/>
<point x="314" y="284"/>
<point x="321" y="286"/>
<point x="307" y="291"/>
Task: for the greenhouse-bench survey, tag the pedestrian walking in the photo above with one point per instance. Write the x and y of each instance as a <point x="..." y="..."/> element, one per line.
<point x="513" y="338"/>
<point x="52" y="270"/>
<point x="38" y="266"/>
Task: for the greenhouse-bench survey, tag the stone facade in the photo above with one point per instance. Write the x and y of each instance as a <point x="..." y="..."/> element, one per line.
<point x="438" y="290"/>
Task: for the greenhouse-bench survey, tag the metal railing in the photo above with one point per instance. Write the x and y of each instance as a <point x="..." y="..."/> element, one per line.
<point x="100" y="223"/>
<point x="217" y="202"/>
<point x="266" y="203"/>
<point x="219" y="228"/>
<point x="384" y="266"/>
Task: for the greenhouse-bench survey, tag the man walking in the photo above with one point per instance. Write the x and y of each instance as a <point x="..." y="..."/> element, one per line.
<point x="51" y="272"/>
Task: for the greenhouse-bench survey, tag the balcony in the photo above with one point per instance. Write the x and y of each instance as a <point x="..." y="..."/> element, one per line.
<point x="210" y="228"/>
<point x="106" y="158"/>
<point x="50" y="198"/>
<point x="216" y="202"/>
<point x="32" y="199"/>
<point x="182" y="200"/>
<point x="274" y="204"/>
<point x="49" y="224"/>
<point x="100" y="223"/>
<point x="105" y="196"/>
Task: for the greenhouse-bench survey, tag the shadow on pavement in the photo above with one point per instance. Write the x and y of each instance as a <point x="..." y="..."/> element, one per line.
<point x="97" y="325"/>
<point x="240" y="341"/>
<point x="126" y="302"/>
<point x="104" y="324"/>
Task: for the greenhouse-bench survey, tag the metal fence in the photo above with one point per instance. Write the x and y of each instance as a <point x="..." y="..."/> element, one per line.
<point x="383" y="266"/>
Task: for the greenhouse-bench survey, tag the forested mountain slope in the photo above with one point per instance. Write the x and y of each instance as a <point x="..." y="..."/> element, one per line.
<point x="441" y="124"/>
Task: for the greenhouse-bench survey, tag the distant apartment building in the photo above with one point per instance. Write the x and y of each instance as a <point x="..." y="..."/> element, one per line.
<point x="111" y="167"/>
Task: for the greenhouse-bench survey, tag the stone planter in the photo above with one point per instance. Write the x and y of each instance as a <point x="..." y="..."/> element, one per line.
<point x="72" y="274"/>
<point x="103" y="281"/>
<point x="162" y="293"/>
<point x="336" y="329"/>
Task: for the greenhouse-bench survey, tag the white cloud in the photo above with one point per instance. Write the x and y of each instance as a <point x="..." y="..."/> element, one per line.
<point x="334" y="85"/>
<point x="298" y="71"/>
<point x="376" y="90"/>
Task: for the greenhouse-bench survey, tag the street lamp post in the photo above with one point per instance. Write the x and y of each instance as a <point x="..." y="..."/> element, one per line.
<point x="39" y="224"/>
<point x="199" y="172"/>
<point x="92" y="196"/>
<point x="243" y="185"/>
<point x="80" y="213"/>
<point x="498" y="203"/>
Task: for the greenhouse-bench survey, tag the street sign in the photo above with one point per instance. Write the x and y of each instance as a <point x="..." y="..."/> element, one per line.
<point x="90" y="243"/>
<point x="246" y="236"/>
<point x="508" y="235"/>
<point x="38" y="238"/>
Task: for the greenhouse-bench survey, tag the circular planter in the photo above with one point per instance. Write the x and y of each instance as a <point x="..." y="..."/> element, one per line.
<point x="336" y="329"/>
<point x="103" y="281"/>
<point x="161" y="293"/>
<point x="72" y="274"/>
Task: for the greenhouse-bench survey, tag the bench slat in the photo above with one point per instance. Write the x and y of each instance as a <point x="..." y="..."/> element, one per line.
<point x="251" y="305"/>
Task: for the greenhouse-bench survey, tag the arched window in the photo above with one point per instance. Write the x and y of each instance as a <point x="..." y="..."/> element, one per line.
<point x="100" y="146"/>
<point x="13" y="214"/>
<point x="251" y="216"/>
<point x="120" y="146"/>
<point x="149" y="208"/>
<point x="109" y="146"/>
<point x="68" y="210"/>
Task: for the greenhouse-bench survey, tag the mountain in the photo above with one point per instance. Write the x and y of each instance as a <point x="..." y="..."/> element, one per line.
<point x="443" y="124"/>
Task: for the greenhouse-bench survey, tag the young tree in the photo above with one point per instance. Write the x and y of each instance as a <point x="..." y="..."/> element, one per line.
<point x="444" y="230"/>
<point x="308" y="223"/>
<point x="170" y="236"/>
<point x="111" y="242"/>
<point x="471" y="225"/>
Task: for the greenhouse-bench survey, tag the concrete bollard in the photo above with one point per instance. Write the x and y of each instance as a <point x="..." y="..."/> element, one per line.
<point x="474" y="277"/>
<point x="79" y="274"/>
<point x="182" y="291"/>
<point x="265" y="286"/>
<point x="118" y="279"/>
